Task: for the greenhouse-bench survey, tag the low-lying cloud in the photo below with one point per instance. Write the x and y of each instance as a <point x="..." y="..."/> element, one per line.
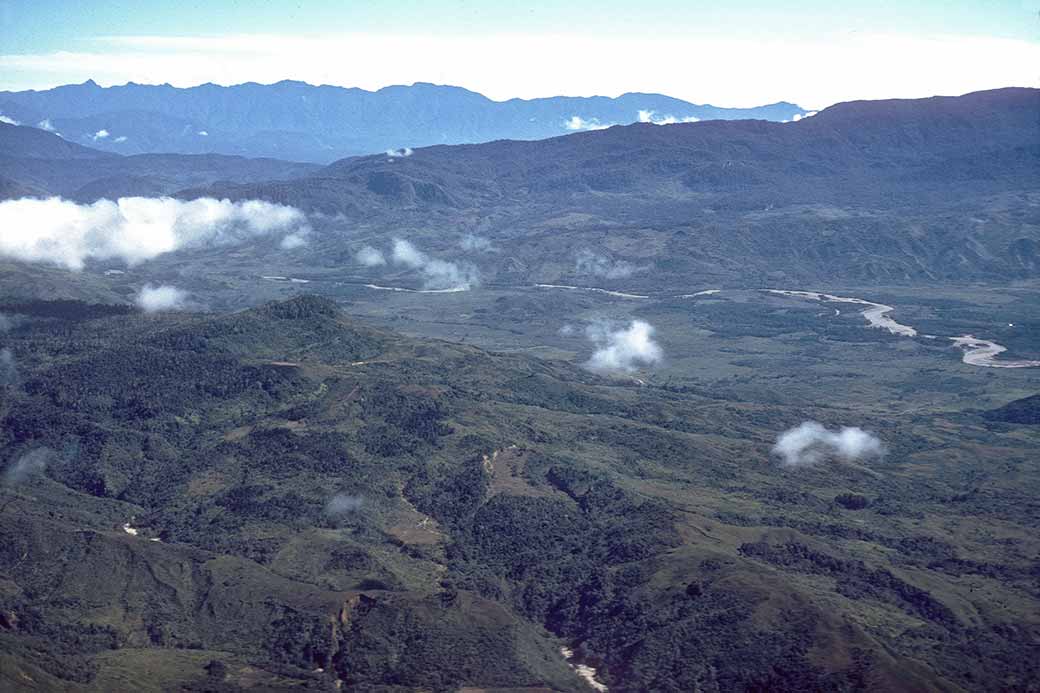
<point x="799" y="116"/>
<point x="811" y="443"/>
<point x="369" y="257"/>
<point x="30" y="464"/>
<point x="437" y="274"/>
<point x="155" y="299"/>
<point x="295" y="240"/>
<point x="577" y="123"/>
<point x="45" y="124"/>
<point x="623" y="348"/>
<point x="342" y="503"/>
<point x="596" y="265"/>
<point x="473" y="243"/>
<point x="8" y="120"/>
<point x="404" y="253"/>
<point x="399" y="153"/>
<point x="101" y="134"/>
<point x="647" y="116"/>
<point x="134" y="229"/>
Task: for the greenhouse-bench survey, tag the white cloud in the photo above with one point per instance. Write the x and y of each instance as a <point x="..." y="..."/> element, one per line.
<point x="646" y="116"/>
<point x="8" y="120"/>
<point x="810" y="443"/>
<point x="845" y="66"/>
<point x="153" y="299"/>
<point x="798" y="116"/>
<point x="437" y="274"/>
<point x="623" y="349"/>
<point x="579" y="123"/>
<point x="202" y="133"/>
<point x="100" y="135"/>
<point x="404" y="253"/>
<point x="399" y="153"/>
<point x="45" y="124"/>
<point x="369" y="257"/>
<point x="120" y="139"/>
<point x="474" y="243"/>
<point x="133" y="229"/>
<point x="590" y="263"/>
<point x="294" y="240"/>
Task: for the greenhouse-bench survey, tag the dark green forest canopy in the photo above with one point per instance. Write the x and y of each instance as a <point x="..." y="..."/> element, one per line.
<point x="285" y="497"/>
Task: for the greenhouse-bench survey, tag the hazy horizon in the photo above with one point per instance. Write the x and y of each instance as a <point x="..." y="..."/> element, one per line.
<point x="495" y="100"/>
<point x="814" y="55"/>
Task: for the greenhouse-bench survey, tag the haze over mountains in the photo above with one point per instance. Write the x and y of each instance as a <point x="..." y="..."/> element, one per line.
<point x="298" y="121"/>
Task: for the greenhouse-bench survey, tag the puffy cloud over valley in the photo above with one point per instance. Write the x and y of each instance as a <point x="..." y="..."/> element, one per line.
<point x="811" y="443"/>
<point x="134" y="229"/>
<point x="623" y="348"/>
<point x="153" y="299"/>
<point x="591" y="263"/>
<point x="369" y="257"/>
<point x="437" y="274"/>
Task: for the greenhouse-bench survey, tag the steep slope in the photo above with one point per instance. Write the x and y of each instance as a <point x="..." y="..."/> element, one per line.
<point x="294" y="120"/>
<point x="334" y="505"/>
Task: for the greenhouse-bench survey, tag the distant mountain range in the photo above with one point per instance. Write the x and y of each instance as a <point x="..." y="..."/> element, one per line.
<point x="876" y="152"/>
<point x="869" y="191"/>
<point x="298" y="121"/>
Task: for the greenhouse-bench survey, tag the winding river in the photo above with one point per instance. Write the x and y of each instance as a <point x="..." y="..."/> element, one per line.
<point x="983" y="352"/>
<point x="450" y="290"/>
<point x="608" y="292"/>
<point x="875" y="313"/>
<point x="976" y="352"/>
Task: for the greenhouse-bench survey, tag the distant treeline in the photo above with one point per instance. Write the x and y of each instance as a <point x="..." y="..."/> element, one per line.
<point x="65" y="309"/>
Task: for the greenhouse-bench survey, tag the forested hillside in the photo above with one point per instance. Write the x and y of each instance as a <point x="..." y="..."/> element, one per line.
<point x="283" y="497"/>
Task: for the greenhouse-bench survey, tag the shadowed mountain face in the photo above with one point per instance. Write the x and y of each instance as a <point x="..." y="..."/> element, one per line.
<point x="297" y="121"/>
<point x="285" y="498"/>
<point x="864" y="152"/>
<point x="35" y="163"/>
<point x="872" y="191"/>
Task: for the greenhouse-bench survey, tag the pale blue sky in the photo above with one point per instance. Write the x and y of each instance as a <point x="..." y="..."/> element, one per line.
<point x="729" y="53"/>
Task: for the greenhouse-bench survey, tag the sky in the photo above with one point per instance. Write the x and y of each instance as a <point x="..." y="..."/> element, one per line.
<point x="735" y="53"/>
